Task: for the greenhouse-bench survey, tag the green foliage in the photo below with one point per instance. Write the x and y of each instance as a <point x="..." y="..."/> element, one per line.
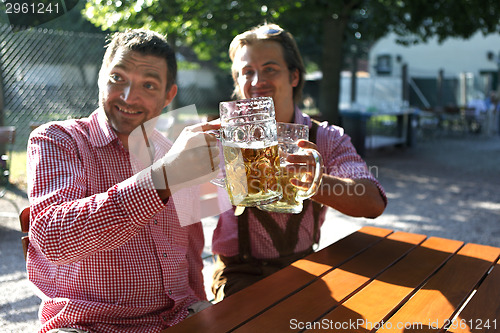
<point x="354" y="25"/>
<point x="206" y="26"/>
<point x="416" y="21"/>
<point x="185" y="65"/>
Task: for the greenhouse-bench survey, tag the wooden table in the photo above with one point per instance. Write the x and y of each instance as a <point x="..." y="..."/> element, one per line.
<point x="374" y="280"/>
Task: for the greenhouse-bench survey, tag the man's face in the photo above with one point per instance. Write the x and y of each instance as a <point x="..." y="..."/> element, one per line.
<point x="133" y="90"/>
<point x="262" y="71"/>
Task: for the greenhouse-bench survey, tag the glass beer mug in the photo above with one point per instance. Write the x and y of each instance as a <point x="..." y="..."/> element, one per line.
<point x="250" y="147"/>
<point x="291" y="202"/>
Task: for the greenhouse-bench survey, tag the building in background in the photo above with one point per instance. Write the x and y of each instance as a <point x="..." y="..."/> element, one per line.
<point x="452" y="73"/>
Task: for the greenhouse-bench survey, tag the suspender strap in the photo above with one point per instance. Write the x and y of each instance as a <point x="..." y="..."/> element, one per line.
<point x="313" y="132"/>
<point x="316" y="211"/>
<point x="245" y="251"/>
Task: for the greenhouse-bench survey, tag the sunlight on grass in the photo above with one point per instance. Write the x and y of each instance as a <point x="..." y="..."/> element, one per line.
<point x="18" y="169"/>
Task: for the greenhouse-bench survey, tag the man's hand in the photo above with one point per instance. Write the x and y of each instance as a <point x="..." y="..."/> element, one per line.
<point x="304" y="164"/>
<point x="192" y="160"/>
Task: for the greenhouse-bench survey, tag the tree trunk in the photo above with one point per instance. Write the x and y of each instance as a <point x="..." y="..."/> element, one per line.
<point x="331" y="66"/>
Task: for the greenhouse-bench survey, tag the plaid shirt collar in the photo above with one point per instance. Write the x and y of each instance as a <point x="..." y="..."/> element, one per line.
<point x="101" y="133"/>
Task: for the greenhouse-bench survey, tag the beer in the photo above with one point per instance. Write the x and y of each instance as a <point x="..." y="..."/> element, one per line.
<point x="250" y="147"/>
<point x="289" y="191"/>
<point x="291" y="202"/>
<point x="252" y="174"/>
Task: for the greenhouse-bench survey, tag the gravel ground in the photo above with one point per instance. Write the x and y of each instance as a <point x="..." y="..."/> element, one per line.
<point x="445" y="187"/>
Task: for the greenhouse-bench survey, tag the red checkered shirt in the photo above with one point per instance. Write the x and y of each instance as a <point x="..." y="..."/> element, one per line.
<point x="106" y="254"/>
<point x="340" y="159"/>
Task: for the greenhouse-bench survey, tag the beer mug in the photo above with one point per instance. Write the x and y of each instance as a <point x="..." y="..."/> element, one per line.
<point x="250" y="147"/>
<point x="291" y="202"/>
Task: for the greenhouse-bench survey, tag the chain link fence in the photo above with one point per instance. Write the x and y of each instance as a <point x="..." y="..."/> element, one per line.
<point x="47" y="75"/>
<point x="52" y="75"/>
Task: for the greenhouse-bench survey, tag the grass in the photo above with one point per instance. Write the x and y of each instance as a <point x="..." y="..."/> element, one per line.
<point x="18" y="169"/>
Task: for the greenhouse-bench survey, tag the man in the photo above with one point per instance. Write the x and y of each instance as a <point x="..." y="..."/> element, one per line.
<point x="107" y="252"/>
<point x="266" y="62"/>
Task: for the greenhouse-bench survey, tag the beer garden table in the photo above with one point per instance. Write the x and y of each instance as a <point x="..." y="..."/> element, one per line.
<point x="373" y="280"/>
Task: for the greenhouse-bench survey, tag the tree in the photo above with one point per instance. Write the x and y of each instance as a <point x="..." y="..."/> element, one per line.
<point x="325" y="29"/>
<point x="336" y="25"/>
<point x="206" y="26"/>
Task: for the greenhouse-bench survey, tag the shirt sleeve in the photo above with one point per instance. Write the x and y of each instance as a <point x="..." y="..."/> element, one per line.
<point x="341" y="159"/>
<point x="68" y="224"/>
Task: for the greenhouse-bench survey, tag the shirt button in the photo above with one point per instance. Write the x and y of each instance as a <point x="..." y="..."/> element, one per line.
<point x="165" y="255"/>
<point x="170" y="292"/>
<point x="155" y="221"/>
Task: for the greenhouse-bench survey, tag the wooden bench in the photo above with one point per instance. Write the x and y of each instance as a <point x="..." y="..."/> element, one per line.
<point x="24" y="219"/>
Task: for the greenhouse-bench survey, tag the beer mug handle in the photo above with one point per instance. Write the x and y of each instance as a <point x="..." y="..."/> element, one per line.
<point x="318" y="174"/>
<point x="215" y="133"/>
<point x="221" y="182"/>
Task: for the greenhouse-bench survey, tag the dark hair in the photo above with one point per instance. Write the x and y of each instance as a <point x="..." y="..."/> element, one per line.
<point x="146" y="42"/>
<point x="271" y="32"/>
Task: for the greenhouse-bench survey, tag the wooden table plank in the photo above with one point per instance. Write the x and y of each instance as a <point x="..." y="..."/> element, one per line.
<point x="232" y="311"/>
<point x="482" y="313"/>
<point x="371" y="305"/>
<point x="436" y="302"/>
<point x="332" y="288"/>
<point x="342" y="250"/>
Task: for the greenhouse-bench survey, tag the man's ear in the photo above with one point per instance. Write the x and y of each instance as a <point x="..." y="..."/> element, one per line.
<point x="294" y="77"/>
<point x="170" y="95"/>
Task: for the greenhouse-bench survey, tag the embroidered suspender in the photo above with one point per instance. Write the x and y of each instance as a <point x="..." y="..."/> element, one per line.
<point x="284" y="241"/>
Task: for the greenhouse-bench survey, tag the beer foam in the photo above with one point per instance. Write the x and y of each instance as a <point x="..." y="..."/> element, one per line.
<point x="252" y="145"/>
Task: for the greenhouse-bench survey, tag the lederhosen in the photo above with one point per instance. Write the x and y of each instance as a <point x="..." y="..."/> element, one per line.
<point x="235" y="273"/>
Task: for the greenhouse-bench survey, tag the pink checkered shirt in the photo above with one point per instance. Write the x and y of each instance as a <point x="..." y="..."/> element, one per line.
<point x="106" y="254"/>
<point x="340" y="159"/>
